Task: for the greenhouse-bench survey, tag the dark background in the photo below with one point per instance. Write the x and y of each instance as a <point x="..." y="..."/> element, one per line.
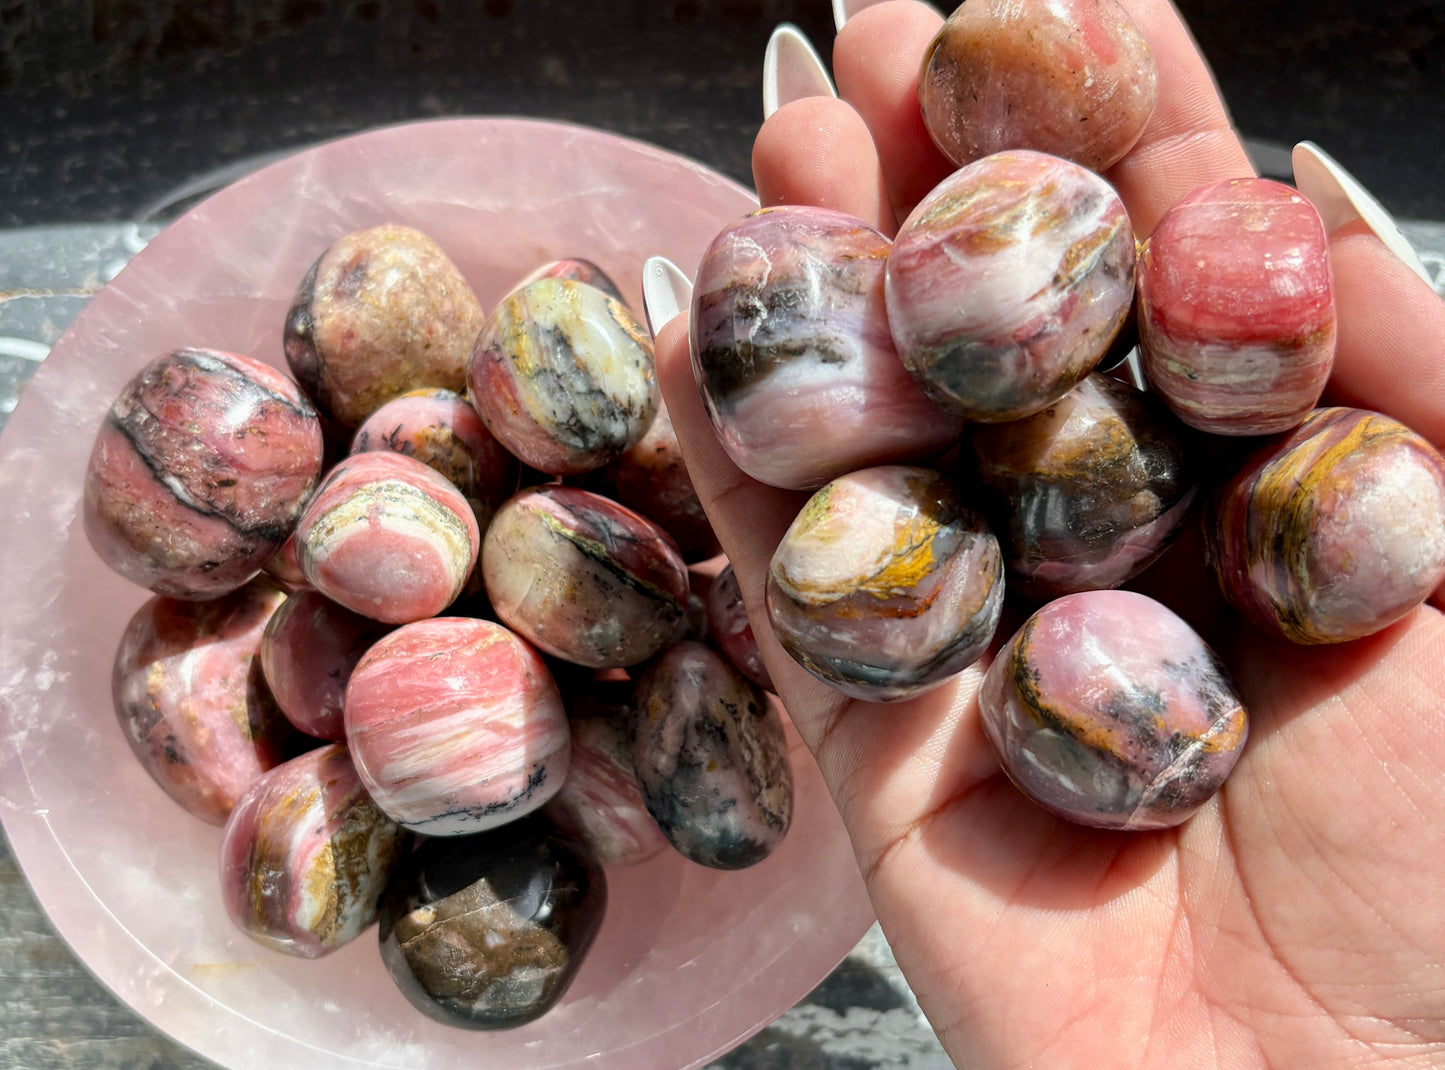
<point x="108" y="107"/>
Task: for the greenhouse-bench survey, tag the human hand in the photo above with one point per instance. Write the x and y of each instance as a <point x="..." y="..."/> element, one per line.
<point x="1296" y="920"/>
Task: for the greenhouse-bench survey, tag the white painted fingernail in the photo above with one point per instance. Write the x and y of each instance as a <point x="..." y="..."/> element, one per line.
<point x="792" y="69"/>
<point x="843" y="10"/>
<point x="665" y="292"/>
<point x="1339" y="198"/>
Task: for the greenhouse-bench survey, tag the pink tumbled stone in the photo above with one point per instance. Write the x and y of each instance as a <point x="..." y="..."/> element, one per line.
<point x="1332" y="532"/>
<point x="1008" y="282"/>
<point x="1107" y="709"/>
<point x="652" y="478"/>
<point x="1074" y="78"/>
<point x="792" y="355"/>
<point x="388" y="537"/>
<point x="583" y="578"/>
<point x="284" y="568"/>
<point x="199" y="472"/>
<point x="309" y="648"/>
<point x="191" y="698"/>
<point x="601" y="803"/>
<point x="440" y="429"/>
<point x="306" y="856"/>
<point x="1237" y="308"/>
<point x="456" y="726"/>
<point x="730" y="629"/>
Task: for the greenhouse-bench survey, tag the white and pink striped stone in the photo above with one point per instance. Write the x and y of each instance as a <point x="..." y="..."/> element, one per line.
<point x="456" y="726"/>
<point x="440" y="429"/>
<point x="308" y="650"/>
<point x="306" y="855"/>
<point x="792" y="355"/>
<point x="1008" y="282"/>
<point x="1237" y="308"/>
<point x="192" y="701"/>
<point x="388" y="537"/>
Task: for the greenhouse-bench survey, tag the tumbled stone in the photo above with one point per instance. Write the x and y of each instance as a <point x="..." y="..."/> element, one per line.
<point x="1236" y="308"/>
<point x="1008" y="283"/>
<point x="578" y="270"/>
<point x="388" y="537"/>
<point x="562" y="375"/>
<point x="1092" y="489"/>
<point x="886" y="584"/>
<point x="440" y="429"/>
<point x="199" y="472"/>
<point x="732" y="631"/>
<point x="192" y="701"/>
<point x="383" y="311"/>
<point x="792" y="355"/>
<point x="308" y="651"/>
<point x="652" y="479"/>
<point x="488" y="931"/>
<point x="306" y="855"/>
<point x="456" y="726"/>
<point x="1332" y="532"/>
<point x="584" y="578"/>
<point x="709" y="753"/>
<point x="1108" y="710"/>
<point x="601" y="802"/>
<point x="1073" y="78"/>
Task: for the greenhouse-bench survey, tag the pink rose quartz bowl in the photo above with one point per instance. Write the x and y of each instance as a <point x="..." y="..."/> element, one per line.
<point x="689" y="961"/>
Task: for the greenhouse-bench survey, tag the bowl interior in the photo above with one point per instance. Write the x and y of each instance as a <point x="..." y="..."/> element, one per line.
<point x="689" y="961"/>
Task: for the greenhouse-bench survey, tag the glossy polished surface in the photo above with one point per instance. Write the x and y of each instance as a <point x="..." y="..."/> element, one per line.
<point x="1109" y="710"/>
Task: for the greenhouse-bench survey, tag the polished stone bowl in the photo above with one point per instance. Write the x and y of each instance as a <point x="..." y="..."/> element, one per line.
<point x="688" y="962"/>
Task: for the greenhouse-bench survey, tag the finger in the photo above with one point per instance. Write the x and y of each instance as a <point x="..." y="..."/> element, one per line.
<point x="1189" y="139"/>
<point x="1390" y="355"/>
<point x="817" y="151"/>
<point x="876" y="59"/>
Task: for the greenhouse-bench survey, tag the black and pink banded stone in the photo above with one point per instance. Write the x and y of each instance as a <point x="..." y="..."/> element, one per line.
<point x="583" y="578"/>
<point x="199" y="472"/>
<point x="306" y="855"/>
<point x="886" y="584"/>
<point x="488" y="931"/>
<point x="1236" y="307"/>
<point x="456" y="726"/>
<point x="1333" y="531"/>
<point x="711" y="758"/>
<point x="308" y="650"/>
<point x="388" y="537"/>
<point x="792" y="355"/>
<point x="440" y="429"/>
<point x="192" y="701"/>
<point x="1008" y="283"/>
<point x="1091" y="490"/>
<point x="1108" y="710"/>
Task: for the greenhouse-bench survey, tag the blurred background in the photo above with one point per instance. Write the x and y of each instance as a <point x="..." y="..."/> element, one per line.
<point x="116" y="115"/>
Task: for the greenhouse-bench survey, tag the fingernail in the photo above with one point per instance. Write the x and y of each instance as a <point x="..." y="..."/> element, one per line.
<point x="1339" y="198"/>
<point x="843" y="10"/>
<point x="792" y="69"/>
<point x="665" y="292"/>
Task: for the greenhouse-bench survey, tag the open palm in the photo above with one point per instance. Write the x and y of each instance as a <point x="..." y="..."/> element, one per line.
<point x="1298" y="920"/>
